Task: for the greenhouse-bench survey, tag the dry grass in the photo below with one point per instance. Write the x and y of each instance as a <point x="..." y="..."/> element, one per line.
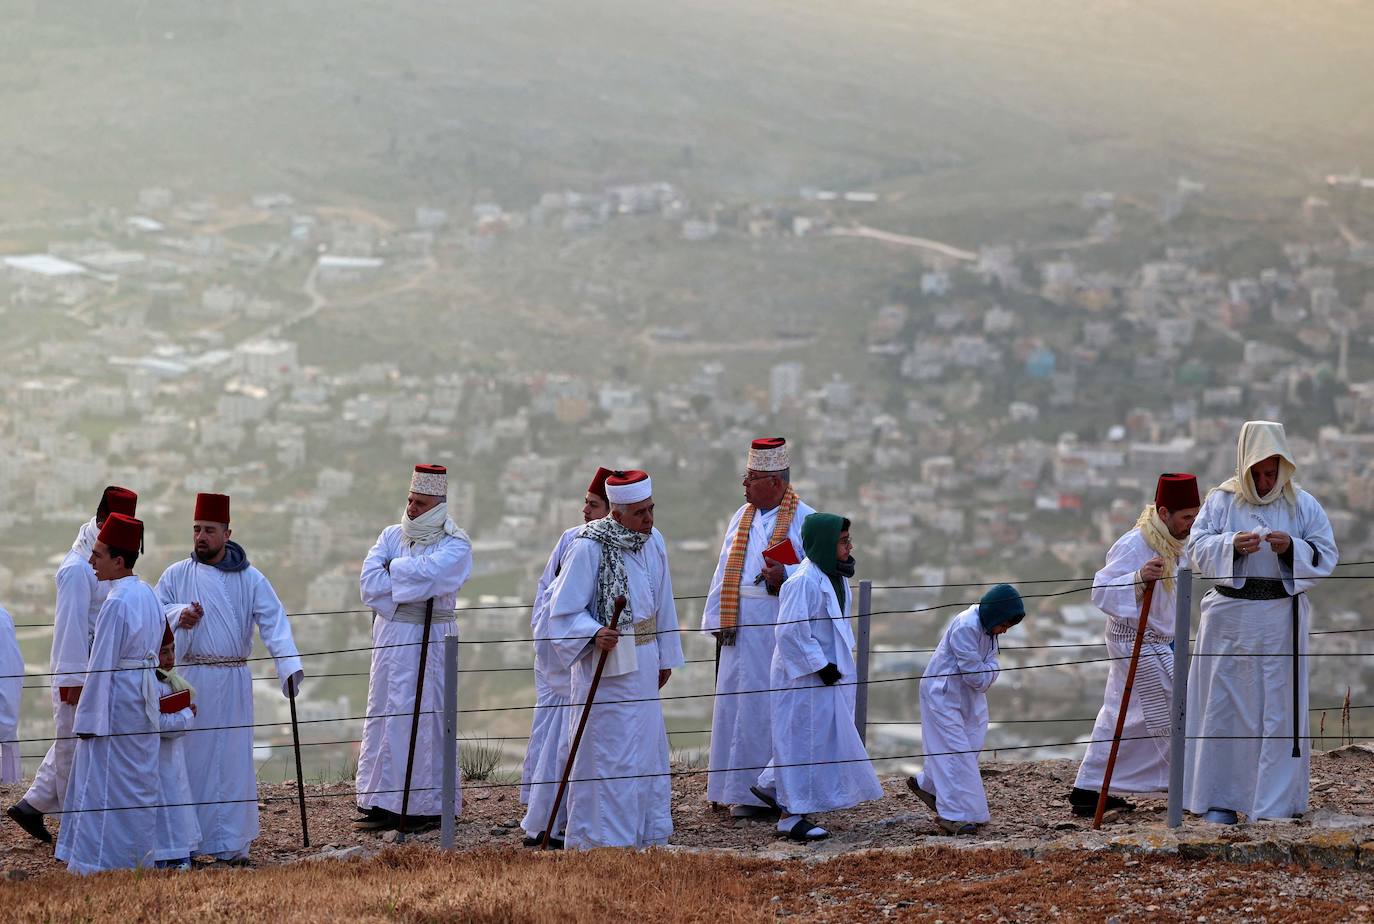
<point x="421" y="885"/>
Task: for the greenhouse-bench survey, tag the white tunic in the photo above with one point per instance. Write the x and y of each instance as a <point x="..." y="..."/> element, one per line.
<point x="178" y="831"/>
<point x="819" y="762"/>
<point x="547" y="751"/>
<point x="954" y="717"/>
<point x="1142" y="760"/>
<point x="415" y="575"/>
<point x="11" y="692"/>
<point x="1250" y="691"/>
<point x="108" y="819"/>
<point x="219" y="760"/>
<point x="79" y="596"/>
<point x="741" y="725"/>
<point x="621" y="791"/>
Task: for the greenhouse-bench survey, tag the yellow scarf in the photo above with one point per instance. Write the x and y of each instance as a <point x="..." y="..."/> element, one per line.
<point x="175" y="681"/>
<point x="734" y="563"/>
<point x="1161" y="542"/>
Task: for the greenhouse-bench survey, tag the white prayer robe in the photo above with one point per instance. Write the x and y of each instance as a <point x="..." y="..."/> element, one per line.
<point x="1142" y="761"/>
<point x="11" y="693"/>
<point x="416" y="574"/>
<point x="79" y="596"/>
<point x="1250" y="692"/>
<point x="954" y="717"/>
<point x="620" y="794"/>
<point x="219" y="759"/>
<point x="109" y="819"/>
<point x="178" y="831"/>
<point x="819" y="762"/>
<point x="741" y="725"/>
<point x="547" y="751"/>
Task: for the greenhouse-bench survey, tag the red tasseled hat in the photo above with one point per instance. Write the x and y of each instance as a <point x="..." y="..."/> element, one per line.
<point x="1177" y="491"/>
<point x="212" y="508"/>
<point x="598" y="485"/>
<point x="122" y="532"/>
<point x="117" y="500"/>
<point x="167" y="637"/>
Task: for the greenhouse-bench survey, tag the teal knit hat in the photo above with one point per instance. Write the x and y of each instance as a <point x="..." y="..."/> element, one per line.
<point x="1000" y="605"/>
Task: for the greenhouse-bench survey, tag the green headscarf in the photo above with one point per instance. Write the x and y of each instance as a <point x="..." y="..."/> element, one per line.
<point x="820" y="537"/>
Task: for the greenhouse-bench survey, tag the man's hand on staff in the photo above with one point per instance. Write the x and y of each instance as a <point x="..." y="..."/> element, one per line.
<point x="1152" y="570"/>
<point x="606" y="638"/>
<point x="663" y="676"/>
<point x="1247" y="543"/>
<point x="1279" y="542"/>
<point x="190" y="616"/>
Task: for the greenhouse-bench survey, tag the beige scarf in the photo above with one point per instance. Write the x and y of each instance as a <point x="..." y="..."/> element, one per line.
<point x="1161" y="542"/>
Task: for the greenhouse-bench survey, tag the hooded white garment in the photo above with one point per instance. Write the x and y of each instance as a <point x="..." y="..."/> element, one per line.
<point x="954" y="717"/>
<point x="741" y="723"/>
<point x="1240" y="682"/>
<point x="819" y="762"/>
<point x="79" y="596"/>
<point x="219" y="748"/>
<point x="109" y="820"/>
<point x="398" y="573"/>
<point x="11" y="692"/>
<point x="1259" y="440"/>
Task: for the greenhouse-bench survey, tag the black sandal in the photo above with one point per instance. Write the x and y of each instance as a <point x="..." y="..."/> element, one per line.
<point x="801" y="831"/>
<point x="769" y="800"/>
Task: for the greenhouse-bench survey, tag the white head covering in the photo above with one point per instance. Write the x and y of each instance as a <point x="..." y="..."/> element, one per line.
<point x="629" y="487"/>
<point x="1260" y="439"/>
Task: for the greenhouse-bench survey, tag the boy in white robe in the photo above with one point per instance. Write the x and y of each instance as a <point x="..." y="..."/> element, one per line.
<point x="1147" y="556"/>
<point x="79" y="596"/>
<point x="741" y="612"/>
<point x="819" y="762"/>
<point x="178" y="831"/>
<point x="954" y="711"/>
<point x="108" y="814"/>
<point x="548" y="751"/>
<point x="425" y="557"/>
<point x="1264" y="542"/>
<point x="620" y="790"/>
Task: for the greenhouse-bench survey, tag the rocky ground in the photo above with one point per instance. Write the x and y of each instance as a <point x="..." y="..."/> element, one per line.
<point x="1030" y="817"/>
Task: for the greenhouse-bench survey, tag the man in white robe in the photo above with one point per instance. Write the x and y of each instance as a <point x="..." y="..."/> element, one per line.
<point x="547" y="751"/>
<point x="11" y="698"/>
<point x="954" y="711"/>
<point x="819" y="762"/>
<point x="108" y="811"/>
<point x="741" y="612"/>
<point x="620" y="794"/>
<point x="79" y="596"/>
<point x="424" y="558"/>
<point x="1147" y="556"/>
<point x="1265" y="542"/>
<point x="214" y="599"/>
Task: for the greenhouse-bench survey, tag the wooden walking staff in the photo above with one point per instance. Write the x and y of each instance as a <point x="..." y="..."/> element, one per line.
<point x="1125" y="703"/>
<point x="415" y="717"/>
<point x="581" y="726"/>
<point x="296" y="743"/>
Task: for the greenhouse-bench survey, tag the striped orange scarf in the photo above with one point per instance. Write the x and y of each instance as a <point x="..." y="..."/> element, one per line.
<point x="734" y="563"/>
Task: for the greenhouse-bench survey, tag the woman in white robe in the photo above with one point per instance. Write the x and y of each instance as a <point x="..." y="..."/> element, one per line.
<point x="1265" y="542"/>
<point x="819" y="761"/>
<point x="954" y="710"/>
<point x="108" y="818"/>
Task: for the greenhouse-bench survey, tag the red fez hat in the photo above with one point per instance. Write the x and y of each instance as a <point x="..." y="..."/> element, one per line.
<point x="122" y="532"/>
<point x="213" y="508"/>
<point x="117" y="500"/>
<point x="598" y="485"/>
<point x="167" y="637"/>
<point x="768" y="442"/>
<point x="1177" y="491"/>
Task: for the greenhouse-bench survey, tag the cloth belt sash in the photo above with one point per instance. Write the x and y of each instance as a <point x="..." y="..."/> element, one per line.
<point x="1256" y="589"/>
<point x="199" y="660"/>
<point x="151" y="706"/>
<point x="414" y="613"/>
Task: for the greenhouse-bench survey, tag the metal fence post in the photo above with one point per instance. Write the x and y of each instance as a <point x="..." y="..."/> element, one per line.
<point x="450" y="782"/>
<point x="1183" y="613"/>
<point x="861" y="692"/>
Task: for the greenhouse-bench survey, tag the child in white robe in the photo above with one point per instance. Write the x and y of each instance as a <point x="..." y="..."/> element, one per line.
<point x="954" y="711"/>
<point x="178" y="831"/>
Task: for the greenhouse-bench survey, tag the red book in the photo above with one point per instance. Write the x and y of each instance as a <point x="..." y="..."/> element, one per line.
<point x="782" y="553"/>
<point x="175" y="702"/>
